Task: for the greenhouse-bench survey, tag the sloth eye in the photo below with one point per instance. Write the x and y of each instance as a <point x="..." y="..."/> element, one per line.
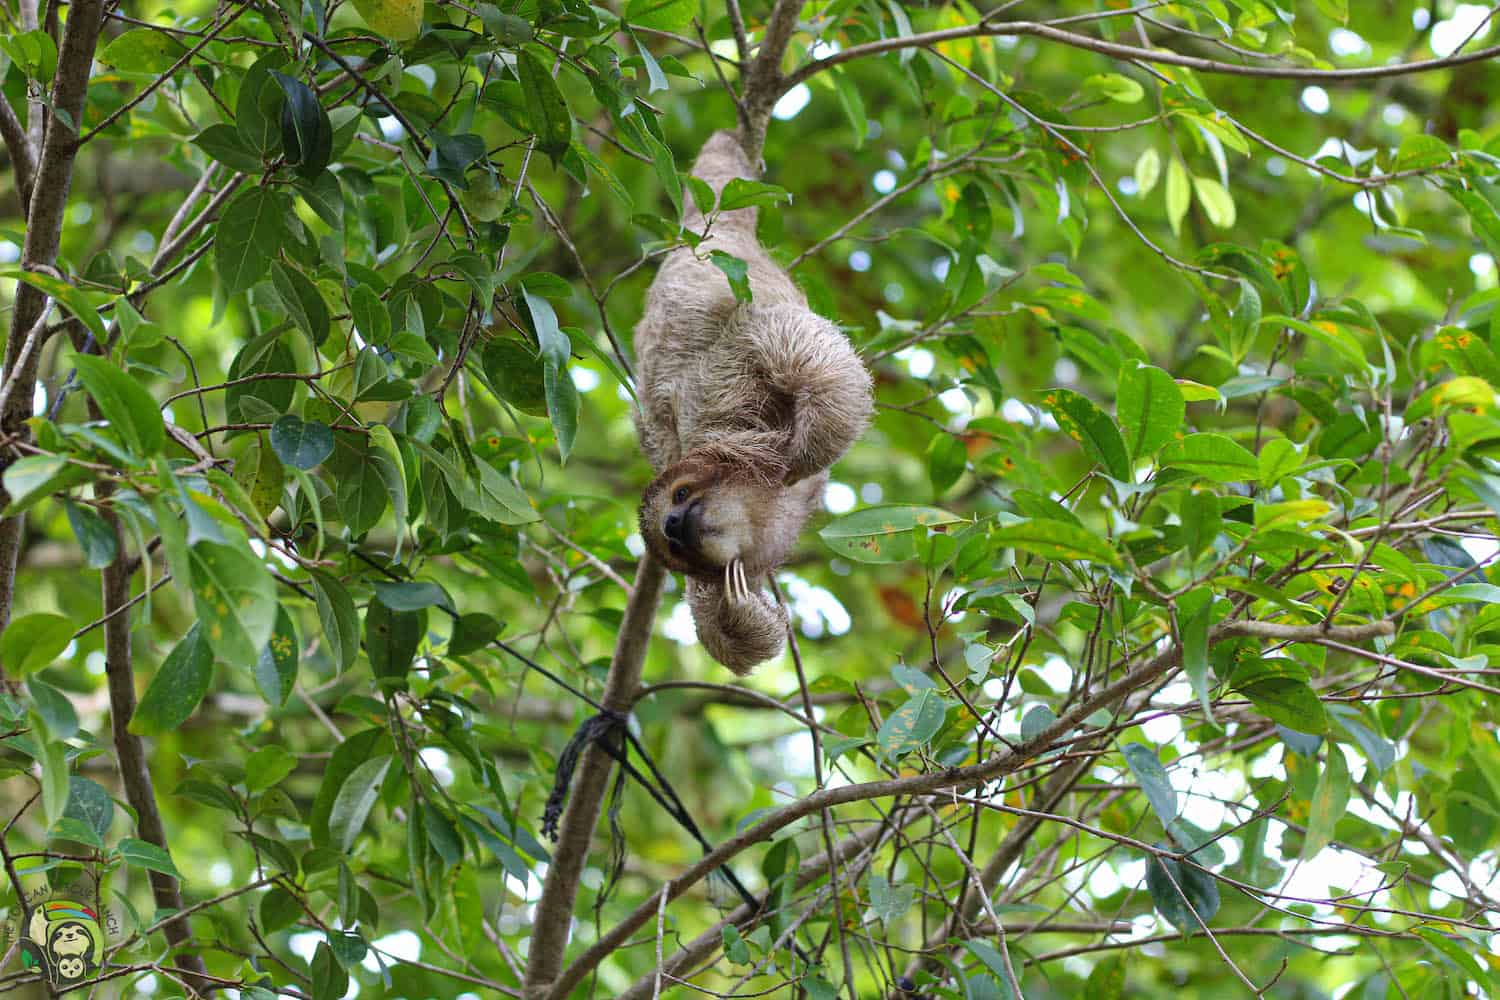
<point x="680" y="495"/>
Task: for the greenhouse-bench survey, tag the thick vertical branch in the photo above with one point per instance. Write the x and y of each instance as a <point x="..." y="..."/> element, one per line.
<point x="49" y="196"/>
<point x="554" y="911"/>
<point x="130" y="751"/>
<point x="764" y="82"/>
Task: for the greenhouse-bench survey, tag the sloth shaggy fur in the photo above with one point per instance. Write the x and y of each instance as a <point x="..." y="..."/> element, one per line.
<point x="743" y="407"/>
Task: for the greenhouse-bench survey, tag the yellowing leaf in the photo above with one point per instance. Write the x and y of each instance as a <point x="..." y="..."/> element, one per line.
<point x="1179" y="195"/>
<point x="1217" y="202"/>
<point x="400" y="20"/>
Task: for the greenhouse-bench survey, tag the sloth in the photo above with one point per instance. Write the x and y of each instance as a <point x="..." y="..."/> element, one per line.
<point x="742" y="409"/>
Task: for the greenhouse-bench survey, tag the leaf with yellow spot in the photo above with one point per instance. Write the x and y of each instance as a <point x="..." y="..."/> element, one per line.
<point x="882" y="534"/>
<point x="235" y="599"/>
<point x="1467" y="392"/>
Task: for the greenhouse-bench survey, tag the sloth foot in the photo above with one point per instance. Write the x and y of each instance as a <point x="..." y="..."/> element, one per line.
<point x="737" y="589"/>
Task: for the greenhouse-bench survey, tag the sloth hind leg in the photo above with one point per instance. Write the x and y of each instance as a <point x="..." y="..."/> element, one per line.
<point x="820" y="388"/>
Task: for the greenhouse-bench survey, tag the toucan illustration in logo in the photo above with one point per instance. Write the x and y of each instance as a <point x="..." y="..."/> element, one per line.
<point x="63" y="939"/>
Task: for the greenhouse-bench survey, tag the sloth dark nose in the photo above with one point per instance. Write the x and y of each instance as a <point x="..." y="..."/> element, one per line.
<point x="672" y="527"/>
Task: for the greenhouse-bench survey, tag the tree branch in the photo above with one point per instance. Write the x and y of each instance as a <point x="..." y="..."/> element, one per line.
<point x="1060" y="731"/>
<point x="44" y="218"/>
<point x="119" y="669"/>
<point x="1116" y="50"/>
<point x="764" y="82"/>
<point x="554" y="911"/>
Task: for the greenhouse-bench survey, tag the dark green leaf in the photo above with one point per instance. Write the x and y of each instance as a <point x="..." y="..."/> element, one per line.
<point x="125" y="403"/>
<point x="177" y="687"/>
<point x="302" y="444"/>
<point x="247" y="238"/>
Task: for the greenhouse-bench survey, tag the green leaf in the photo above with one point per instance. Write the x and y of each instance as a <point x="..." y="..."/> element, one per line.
<point x="359" y="748"/>
<point x="1106" y="981"/>
<point x="1114" y="87"/>
<point x="735" y="948"/>
<point x="267" y="766"/>
<point x="95" y="536"/>
<point x="235" y="599"/>
<point x="72" y="298"/>
<point x="741" y="192"/>
<point x="1278" y="459"/>
<point x="1212" y="456"/>
<point x="1147" y="171"/>
<point x="1055" y="540"/>
<point x="225" y="144"/>
<point x="1179" y="892"/>
<point x="247" y="238"/>
<point x="338" y="618"/>
<point x="177" y="687"/>
<point x="545" y="107"/>
<point x="1269" y="516"/>
<point x="91" y="806"/>
<point x="59" y="717"/>
<point x="946" y="460"/>
<point x="554" y="343"/>
<point x="55" y="778"/>
<point x="1329" y="802"/>
<point x="34" y="478"/>
<point x="1179" y="194"/>
<point x="306" y="132"/>
<point x="1152" y="777"/>
<point x="909" y="727"/>
<point x="1419" y="151"/>
<point x="276" y="667"/>
<point x="400" y="20"/>
<point x="881" y="534"/>
<point x="663" y="15"/>
<point x="1284" y="699"/>
<point x="355" y="800"/>
<point x="736" y="270"/>
<point x="302" y="301"/>
<point x="1085" y="423"/>
<point x="140" y="854"/>
<point x="1194" y="614"/>
<point x="142" y="50"/>
<point x="1150" y="408"/>
<point x="1217" y="202"/>
<point x="890" y="902"/>
<point x="127" y="406"/>
<point x="302" y="444"/>
<point x="1201" y="522"/>
<point x="411" y="596"/>
<point x="31" y="642"/>
<point x="472" y="632"/>
<point x="391" y="640"/>
<point x="562" y="407"/>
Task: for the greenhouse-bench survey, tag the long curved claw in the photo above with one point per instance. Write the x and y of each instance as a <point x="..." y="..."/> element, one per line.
<point x="736" y="586"/>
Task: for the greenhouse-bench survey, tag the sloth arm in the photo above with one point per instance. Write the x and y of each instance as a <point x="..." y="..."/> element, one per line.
<point x="738" y="631"/>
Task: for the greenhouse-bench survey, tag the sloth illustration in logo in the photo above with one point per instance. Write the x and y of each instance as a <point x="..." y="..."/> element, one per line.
<point x="63" y="939"/>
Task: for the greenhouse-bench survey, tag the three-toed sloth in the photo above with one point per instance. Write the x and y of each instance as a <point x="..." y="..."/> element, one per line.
<point x="743" y="407"/>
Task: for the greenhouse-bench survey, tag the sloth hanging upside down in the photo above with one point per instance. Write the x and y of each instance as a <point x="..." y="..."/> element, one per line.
<point x="743" y="407"/>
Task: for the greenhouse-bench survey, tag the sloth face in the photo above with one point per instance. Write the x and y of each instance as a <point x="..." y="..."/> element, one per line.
<point x="70" y="968"/>
<point x="70" y="939"/>
<point x="696" y="519"/>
